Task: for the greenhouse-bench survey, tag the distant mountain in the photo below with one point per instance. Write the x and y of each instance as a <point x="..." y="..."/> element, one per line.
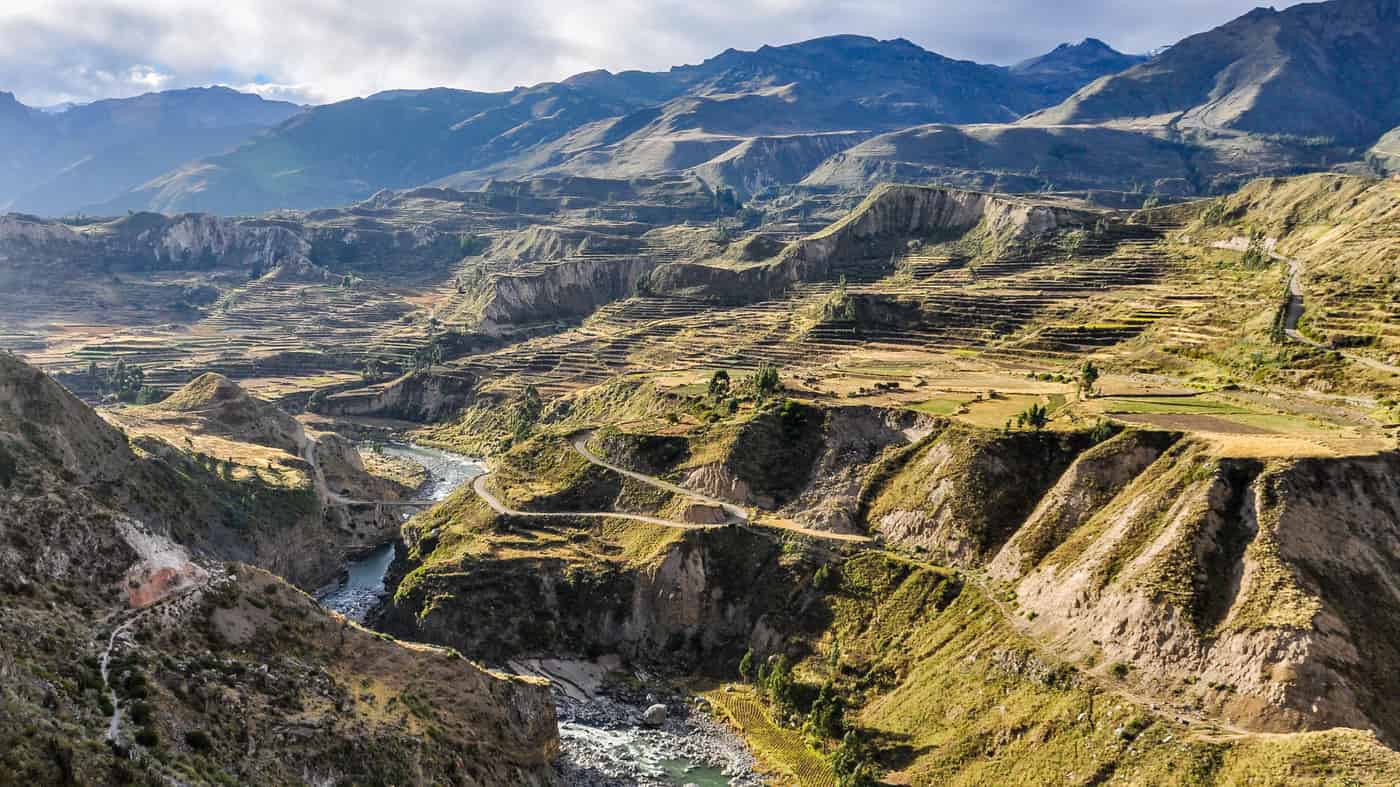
<point x="1060" y="72"/>
<point x="58" y="162"/>
<point x="1314" y="70"/>
<point x="740" y="116"/>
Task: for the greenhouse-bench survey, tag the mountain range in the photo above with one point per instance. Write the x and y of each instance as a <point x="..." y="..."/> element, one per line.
<point x="1272" y="92"/>
<point x="59" y="162"/>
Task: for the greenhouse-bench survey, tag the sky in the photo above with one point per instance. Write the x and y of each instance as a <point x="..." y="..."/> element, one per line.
<point x="315" y="51"/>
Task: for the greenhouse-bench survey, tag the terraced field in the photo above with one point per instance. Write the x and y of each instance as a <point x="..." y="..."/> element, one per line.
<point x="780" y="749"/>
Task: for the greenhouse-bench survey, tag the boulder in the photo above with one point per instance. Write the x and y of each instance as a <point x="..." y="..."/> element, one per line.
<point x="654" y="716"/>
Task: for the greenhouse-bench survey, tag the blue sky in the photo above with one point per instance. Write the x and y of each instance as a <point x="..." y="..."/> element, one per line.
<point x="53" y="51"/>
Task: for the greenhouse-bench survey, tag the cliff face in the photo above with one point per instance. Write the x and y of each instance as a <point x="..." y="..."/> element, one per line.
<point x="962" y="494"/>
<point x="417" y="396"/>
<point x="564" y="290"/>
<point x="692" y="604"/>
<point x="150" y="240"/>
<point x="889" y="217"/>
<point x="764" y="162"/>
<point x="1269" y="589"/>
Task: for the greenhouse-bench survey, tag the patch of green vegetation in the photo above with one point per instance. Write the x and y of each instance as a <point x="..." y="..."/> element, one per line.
<point x="940" y="407"/>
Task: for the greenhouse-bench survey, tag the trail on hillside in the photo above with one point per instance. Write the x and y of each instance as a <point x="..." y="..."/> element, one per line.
<point x="738" y="513"/>
<point x="1294" y="314"/>
<point x="479" y="486"/>
<point x="114" y="724"/>
<point x="735" y="515"/>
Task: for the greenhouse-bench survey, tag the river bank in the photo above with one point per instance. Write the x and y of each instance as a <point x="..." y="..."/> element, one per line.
<point x="362" y="587"/>
<point x="604" y="739"/>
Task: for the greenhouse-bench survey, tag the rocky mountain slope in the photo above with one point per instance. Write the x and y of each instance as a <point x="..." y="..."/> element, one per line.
<point x="1313" y="70"/>
<point x="292" y="511"/>
<point x="1068" y="67"/>
<point x="59" y="163"/>
<point x="615" y="125"/>
<point x="1273" y="92"/>
<point x="133" y="656"/>
<point x="1385" y="154"/>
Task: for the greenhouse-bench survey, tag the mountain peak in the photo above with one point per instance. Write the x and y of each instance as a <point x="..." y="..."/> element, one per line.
<point x="1069" y="65"/>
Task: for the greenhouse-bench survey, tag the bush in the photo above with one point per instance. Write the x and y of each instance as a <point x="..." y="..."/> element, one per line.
<point x="141" y="713"/>
<point x="198" y="740"/>
<point x="147" y="737"/>
<point x="1120" y="670"/>
<point x="1036" y="417"/>
<point x="746" y="666"/>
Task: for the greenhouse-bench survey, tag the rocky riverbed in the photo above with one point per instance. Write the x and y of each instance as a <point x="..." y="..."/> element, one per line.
<point x="609" y="741"/>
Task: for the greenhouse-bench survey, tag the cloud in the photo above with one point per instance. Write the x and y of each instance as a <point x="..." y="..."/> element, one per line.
<point x="319" y="50"/>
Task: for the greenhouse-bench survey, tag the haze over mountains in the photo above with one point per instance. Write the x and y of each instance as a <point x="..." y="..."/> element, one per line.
<point x="59" y="162"/>
<point x="1272" y="92"/>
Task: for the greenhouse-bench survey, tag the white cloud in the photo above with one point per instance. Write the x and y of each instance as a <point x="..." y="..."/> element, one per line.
<point x="317" y="50"/>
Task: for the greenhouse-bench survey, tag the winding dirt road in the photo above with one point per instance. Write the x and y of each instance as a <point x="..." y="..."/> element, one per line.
<point x="1295" y="313"/>
<point x="479" y="486"/>
<point x="735" y="515"/>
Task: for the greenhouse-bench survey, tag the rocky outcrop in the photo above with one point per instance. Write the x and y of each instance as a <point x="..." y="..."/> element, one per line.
<point x="570" y="289"/>
<point x="422" y="396"/>
<point x="1267" y="591"/>
<point x="215" y="404"/>
<point x="694" y="605"/>
<point x="870" y="234"/>
<point x="962" y="495"/>
<point x="853" y="438"/>
<point x="1384" y="156"/>
<point x="538" y="244"/>
<point x="765" y="162"/>
<point x="1094" y="479"/>
<point x="149" y="240"/>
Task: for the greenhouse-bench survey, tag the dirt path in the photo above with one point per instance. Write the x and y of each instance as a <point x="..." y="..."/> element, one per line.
<point x="133" y="617"/>
<point x="114" y="725"/>
<point x="737" y="514"/>
<point x="479" y="486"/>
<point x="734" y="514"/>
<point x="1295" y="313"/>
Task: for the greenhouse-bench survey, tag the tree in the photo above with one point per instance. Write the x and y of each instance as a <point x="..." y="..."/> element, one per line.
<point x="527" y="412"/>
<point x="1088" y="376"/>
<point x="719" y="384"/>
<point x="746" y="666"/>
<point x="828" y="712"/>
<point x="1036" y="417"/>
<point x="780" y="683"/>
<point x="372" y="370"/>
<point x="1256" y="255"/>
<point x="766" y="381"/>
<point x="853" y="762"/>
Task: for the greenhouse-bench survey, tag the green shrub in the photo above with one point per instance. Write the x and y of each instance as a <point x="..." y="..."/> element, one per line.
<point x="198" y="740"/>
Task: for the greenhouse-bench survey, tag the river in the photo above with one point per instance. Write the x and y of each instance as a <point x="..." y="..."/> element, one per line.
<point x="362" y="588"/>
<point x="601" y="739"/>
